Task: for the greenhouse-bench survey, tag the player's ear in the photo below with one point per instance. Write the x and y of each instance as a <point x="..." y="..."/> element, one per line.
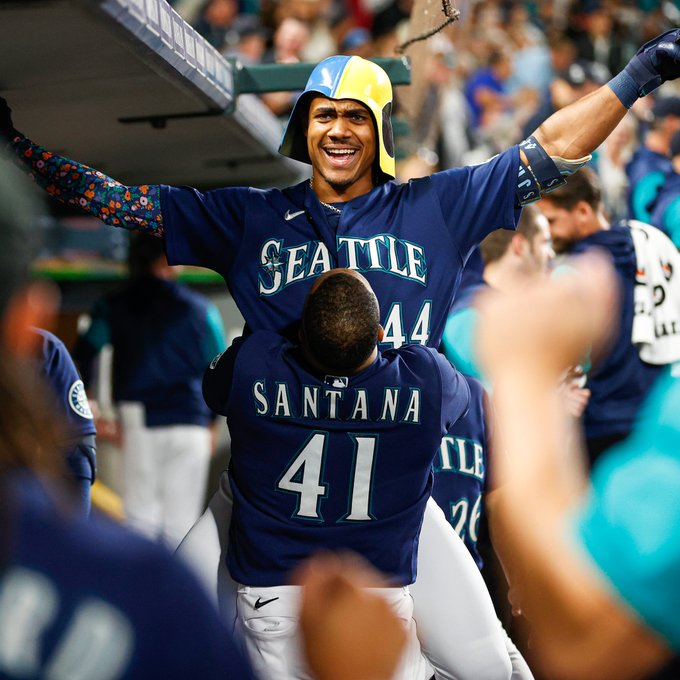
<point x="381" y="333"/>
<point x="34" y="306"/>
<point x="518" y="244"/>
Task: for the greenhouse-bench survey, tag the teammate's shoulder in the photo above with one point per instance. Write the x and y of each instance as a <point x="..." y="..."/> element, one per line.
<point x="423" y="354"/>
<point x="50" y="342"/>
<point x="262" y="345"/>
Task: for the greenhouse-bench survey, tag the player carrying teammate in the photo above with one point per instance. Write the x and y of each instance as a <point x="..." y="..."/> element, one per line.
<point x="332" y="448"/>
<point x="410" y="240"/>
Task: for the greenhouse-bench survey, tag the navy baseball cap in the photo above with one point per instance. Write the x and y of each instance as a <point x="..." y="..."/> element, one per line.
<point x="668" y="106"/>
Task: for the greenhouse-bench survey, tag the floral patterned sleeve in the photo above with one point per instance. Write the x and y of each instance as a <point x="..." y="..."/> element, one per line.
<point x="136" y="207"/>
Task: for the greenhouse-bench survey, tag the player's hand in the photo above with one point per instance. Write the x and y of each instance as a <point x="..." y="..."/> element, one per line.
<point x="348" y="632"/>
<point x="656" y="62"/>
<point x="548" y="326"/>
<point x="6" y="125"/>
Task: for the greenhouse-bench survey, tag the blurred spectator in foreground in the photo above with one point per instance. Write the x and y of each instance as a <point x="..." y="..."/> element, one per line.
<point x="79" y="599"/>
<point x="651" y="162"/>
<point x="665" y="209"/>
<point x="163" y="336"/>
<point x="598" y="569"/>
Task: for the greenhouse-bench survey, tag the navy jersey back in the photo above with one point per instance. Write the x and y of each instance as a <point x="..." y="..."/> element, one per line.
<point x="334" y="463"/>
<point x="164" y="335"/>
<point x="460" y="470"/>
<point x="410" y="241"/>
<point x="85" y="599"/>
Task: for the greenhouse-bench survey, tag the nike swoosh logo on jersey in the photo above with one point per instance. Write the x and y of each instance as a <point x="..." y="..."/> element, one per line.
<point x="261" y="603"/>
<point x="291" y="215"/>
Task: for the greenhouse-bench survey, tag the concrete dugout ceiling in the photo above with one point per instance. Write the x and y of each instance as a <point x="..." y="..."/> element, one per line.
<point x="74" y="70"/>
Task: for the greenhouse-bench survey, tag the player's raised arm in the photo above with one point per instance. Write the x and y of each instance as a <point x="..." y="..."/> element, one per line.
<point x="132" y="207"/>
<point x="564" y="142"/>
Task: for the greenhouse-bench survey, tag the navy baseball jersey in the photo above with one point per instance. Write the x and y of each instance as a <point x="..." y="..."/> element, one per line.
<point x="665" y="213"/>
<point x="411" y="242"/>
<point x="334" y="462"/>
<point x="163" y="335"/>
<point x="646" y="173"/>
<point x="460" y="470"/>
<point x="620" y="380"/>
<point x="58" y="367"/>
<point x="85" y="599"/>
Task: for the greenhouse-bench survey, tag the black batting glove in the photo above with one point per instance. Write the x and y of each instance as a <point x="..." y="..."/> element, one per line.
<point x="656" y="62"/>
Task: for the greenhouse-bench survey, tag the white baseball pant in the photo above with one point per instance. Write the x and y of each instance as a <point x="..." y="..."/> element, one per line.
<point x="456" y="623"/>
<point x="165" y="473"/>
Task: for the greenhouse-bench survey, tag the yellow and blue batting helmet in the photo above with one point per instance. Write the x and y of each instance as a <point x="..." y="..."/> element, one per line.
<point x="346" y="78"/>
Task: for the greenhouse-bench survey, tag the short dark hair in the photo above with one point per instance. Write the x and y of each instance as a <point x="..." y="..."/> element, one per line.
<point x="21" y="223"/>
<point x="496" y="244"/>
<point x="340" y="322"/>
<point x="583" y="185"/>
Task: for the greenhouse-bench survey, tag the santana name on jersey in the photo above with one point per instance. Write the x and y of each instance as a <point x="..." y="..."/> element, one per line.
<point x="327" y="403"/>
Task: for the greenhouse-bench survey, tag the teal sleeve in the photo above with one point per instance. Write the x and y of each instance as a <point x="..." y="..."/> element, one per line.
<point x="458" y="341"/>
<point x="630" y="524"/>
<point x="671" y="221"/>
<point x="643" y="193"/>
<point x="214" y="341"/>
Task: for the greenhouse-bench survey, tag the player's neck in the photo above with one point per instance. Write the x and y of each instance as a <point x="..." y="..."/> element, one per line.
<point x="330" y="193"/>
<point x="321" y="369"/>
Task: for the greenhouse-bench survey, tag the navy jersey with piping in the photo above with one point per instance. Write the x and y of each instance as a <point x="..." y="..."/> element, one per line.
<point x="410" y="241"/>
<point x="163" y="336"/>
<point x="620" y="380"/>
<point x="85" y="598"/>
<point x="460" y="470"/>
<point x="320" y="462"/>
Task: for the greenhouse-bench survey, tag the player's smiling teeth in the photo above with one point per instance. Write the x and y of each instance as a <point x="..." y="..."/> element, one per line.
<point x="340" y="152"/>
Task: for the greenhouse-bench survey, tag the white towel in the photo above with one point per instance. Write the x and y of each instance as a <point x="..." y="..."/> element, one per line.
<point x="656" y="320"/>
